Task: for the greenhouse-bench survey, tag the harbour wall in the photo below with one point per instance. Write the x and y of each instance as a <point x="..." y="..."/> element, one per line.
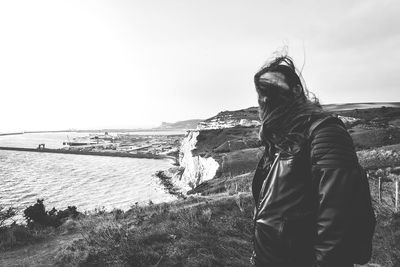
<point x="91" y="153"/>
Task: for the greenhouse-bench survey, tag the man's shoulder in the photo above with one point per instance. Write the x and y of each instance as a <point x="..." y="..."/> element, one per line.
<point x="331" y="144"/>
<point x="324" y="121"/>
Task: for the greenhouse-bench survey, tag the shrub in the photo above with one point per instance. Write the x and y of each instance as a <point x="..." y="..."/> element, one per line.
<point x="6" y="214"/>
<point x="204" y="216"/>
<point x="37" y="215"/>
<point x="73" y="255"/>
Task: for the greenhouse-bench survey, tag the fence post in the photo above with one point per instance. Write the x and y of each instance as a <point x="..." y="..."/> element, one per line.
<point x="379" y="188"/>
<point x="396" y="205"/>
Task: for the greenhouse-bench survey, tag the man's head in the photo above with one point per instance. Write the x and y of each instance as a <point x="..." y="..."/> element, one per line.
<point x="278" y="84"/>
<point x="284" y="106"/>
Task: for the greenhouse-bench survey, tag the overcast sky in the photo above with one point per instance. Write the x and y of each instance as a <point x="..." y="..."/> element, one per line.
<point x="123" y="64"/>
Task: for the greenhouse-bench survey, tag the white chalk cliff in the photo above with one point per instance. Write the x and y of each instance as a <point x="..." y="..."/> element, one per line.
<point x="227" y="121"/>
<point x="197" y="168"/>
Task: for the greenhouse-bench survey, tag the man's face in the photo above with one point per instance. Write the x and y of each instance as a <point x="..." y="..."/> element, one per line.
<point x="273" y="91"/>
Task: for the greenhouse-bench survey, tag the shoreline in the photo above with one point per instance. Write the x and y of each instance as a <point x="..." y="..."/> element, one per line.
<point x="169" y="186"/>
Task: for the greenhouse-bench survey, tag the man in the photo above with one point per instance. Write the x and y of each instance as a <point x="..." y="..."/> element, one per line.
<point x="305" y="186"/>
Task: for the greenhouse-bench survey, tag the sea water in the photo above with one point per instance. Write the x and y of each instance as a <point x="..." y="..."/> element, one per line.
<point x="87" y="182"/>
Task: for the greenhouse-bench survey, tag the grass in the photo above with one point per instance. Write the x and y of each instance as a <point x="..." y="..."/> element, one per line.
<point x="209" y="140"/>
<point x="16" y="236"/>
<point x="199" y="231"/>
<point x="387" y="156"/>
<point x="206" y="233"/>
<point x="230" y="184"/>
<point x="375" y="138"/>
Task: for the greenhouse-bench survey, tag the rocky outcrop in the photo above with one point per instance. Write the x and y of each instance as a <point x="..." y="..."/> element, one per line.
<point x="197" y="169"/>
<point x="349" y="121"/>
<point x="218" y="123"/>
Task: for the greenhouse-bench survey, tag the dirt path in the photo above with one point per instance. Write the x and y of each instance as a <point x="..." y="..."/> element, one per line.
<point x="39" y="254"/>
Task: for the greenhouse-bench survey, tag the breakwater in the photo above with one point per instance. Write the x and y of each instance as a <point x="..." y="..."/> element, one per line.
<point x="4" y="134"/>
<point x="90" y="153"/>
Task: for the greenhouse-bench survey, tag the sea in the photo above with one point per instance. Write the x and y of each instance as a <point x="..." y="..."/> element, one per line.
<point x="87" y="182"/>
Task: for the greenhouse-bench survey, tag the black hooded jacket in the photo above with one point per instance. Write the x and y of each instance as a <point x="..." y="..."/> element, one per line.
<point x="302" y="216"/>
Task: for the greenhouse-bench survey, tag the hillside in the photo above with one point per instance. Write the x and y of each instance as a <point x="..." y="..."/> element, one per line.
<point x="187" y="124"/>
<point x="249" y="116"/>
<point x="354" y="106"/>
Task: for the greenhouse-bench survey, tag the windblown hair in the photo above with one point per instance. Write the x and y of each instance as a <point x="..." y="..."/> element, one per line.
<point x="285" y="121"/>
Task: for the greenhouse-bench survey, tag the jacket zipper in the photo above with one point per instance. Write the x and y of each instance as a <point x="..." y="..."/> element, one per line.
<point x="258" y="205"/>
<point x="260" y="199"/>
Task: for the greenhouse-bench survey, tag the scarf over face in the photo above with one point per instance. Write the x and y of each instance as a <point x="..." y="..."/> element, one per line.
<point x="284" y="112"/>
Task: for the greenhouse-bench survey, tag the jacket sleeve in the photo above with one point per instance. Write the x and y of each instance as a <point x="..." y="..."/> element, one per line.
<point x="334" y="166"/>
